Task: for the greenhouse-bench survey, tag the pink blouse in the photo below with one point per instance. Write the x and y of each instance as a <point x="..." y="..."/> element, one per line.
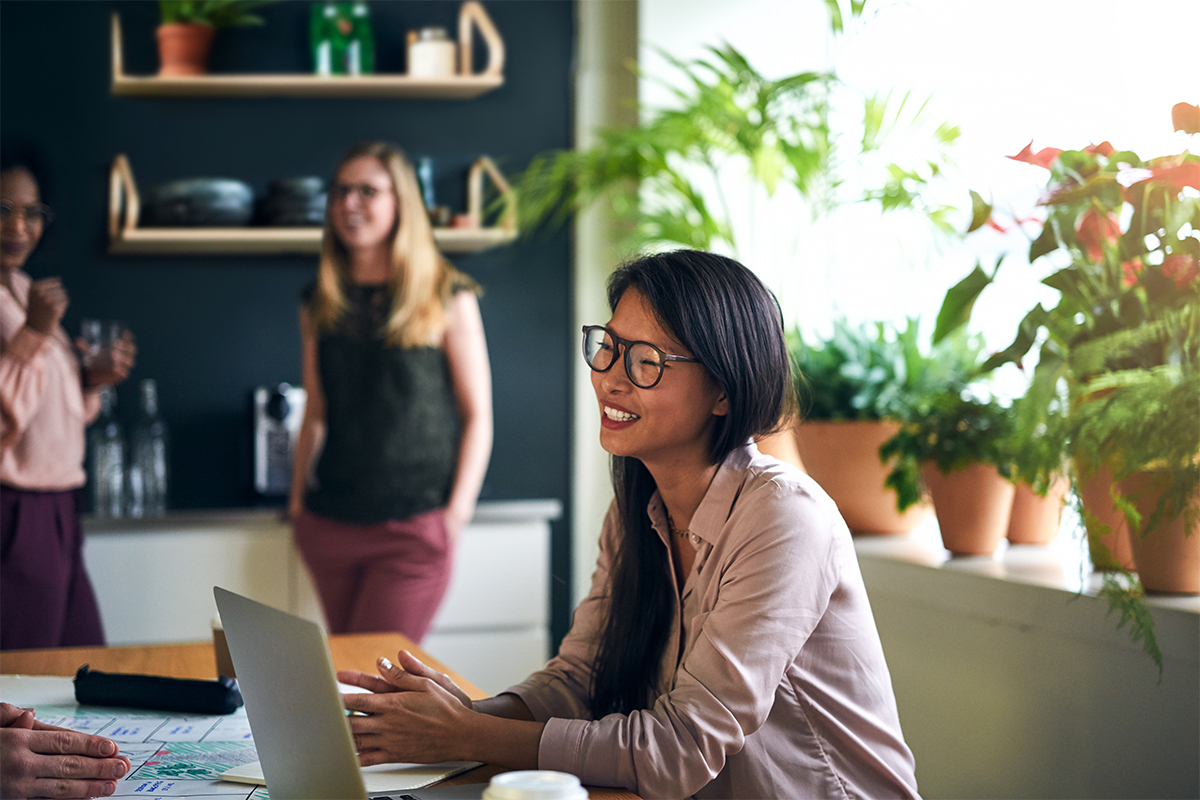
<point x="43" y="408"/>
<point x="774" y="682"/>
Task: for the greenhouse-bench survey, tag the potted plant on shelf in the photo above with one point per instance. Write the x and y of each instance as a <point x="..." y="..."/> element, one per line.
<point x="186" y="30"/>
<point x="954" y="445"/>
<point x="1036" y="436"/>
<point x="854" y="388"/>
<point x="1125" y="334"/>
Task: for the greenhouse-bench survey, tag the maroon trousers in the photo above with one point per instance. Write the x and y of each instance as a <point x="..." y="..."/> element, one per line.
<point x="46" y="599"/>
<point x="385" y="577"/>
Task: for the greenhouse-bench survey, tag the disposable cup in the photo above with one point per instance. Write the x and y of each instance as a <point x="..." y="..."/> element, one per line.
<point x="534" y="785"/>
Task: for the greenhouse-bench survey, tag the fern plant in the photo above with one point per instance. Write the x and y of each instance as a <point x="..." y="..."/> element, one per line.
<point x="662" y="178"/>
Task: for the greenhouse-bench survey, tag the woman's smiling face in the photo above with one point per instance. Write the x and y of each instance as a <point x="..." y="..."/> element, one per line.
<point x="363" y="204"/>
<point x="671" y="423"/>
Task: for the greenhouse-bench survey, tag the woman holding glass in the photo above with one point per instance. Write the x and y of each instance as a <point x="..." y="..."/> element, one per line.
<point x="727" y="648"/>
<point x="398" y="406"/>
<point x="47" y="398"/>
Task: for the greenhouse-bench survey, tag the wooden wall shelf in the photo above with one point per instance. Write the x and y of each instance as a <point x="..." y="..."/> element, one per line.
<point x="126" y="238"/>
<point x="463" y="86"/>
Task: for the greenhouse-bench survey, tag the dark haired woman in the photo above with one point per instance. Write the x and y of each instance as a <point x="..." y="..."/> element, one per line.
<point x="46" y="401"/>
<point x="399" y="404"/>
<point x="727" y="648"/>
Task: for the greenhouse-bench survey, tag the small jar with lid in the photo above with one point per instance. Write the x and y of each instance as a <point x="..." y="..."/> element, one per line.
<point x="431" y="53"/>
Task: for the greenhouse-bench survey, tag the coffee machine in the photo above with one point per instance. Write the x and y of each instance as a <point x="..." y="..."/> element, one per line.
<point x="277" y="413"/>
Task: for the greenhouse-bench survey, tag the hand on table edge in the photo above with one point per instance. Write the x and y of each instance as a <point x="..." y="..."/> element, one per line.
<point x="77" y="762"/>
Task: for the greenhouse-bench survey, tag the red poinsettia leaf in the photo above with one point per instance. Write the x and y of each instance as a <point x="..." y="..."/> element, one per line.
<point x="1186" y="117"/>
<point x="1182" y="268"/>
<point x="1131" y="269"/>
<point x="1094" y="230"/>
<point x="1105" y="149"/>
<point x="1042" y="158"/>
<point x="1179" y="176"/>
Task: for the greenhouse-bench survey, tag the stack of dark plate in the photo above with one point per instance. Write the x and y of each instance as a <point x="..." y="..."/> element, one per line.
<point x="293" y="202"/>
<point x="198" y="202"/>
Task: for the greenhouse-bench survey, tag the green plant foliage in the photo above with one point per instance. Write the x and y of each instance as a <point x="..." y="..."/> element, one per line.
<point x="953" y="432"/>
<point x="727" y="114"/>
<point x="214" y="13"/>
<point x="1125" y="594"/>
<point x="873" y="372"/>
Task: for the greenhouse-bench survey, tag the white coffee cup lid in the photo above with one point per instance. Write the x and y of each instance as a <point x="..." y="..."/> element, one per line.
<point x="538" y="784"/>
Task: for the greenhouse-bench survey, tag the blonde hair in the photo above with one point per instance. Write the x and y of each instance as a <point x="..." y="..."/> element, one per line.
<point x="421" y="280"/>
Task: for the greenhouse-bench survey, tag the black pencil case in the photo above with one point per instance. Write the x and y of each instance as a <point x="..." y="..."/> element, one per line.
<point x="95" y="688"/>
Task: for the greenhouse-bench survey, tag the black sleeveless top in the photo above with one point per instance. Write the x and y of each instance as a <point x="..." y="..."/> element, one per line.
<point x="391" y="420"/>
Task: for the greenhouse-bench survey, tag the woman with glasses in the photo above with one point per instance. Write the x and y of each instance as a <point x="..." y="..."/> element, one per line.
<point x="47" y="400"/>
<point x="727" y="648"/>
<point x="398" y="407"/>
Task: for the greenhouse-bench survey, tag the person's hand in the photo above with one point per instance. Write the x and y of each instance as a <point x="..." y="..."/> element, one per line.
<point x="112" y="364"/>
<point x="295" y="506"/>
<point x="39" y="760"/>
<point x="48" y="302"/>
<point x="413" y="714"/>
<point x="455" y="522"/>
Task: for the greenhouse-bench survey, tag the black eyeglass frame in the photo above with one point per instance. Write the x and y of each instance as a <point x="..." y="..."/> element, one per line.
<point x="627" y="344"/>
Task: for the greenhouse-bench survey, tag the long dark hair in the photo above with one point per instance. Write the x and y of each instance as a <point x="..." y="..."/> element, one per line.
<point x="724" y="316"/>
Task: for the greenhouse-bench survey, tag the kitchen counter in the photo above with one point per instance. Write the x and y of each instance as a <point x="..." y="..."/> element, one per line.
<point x="154" y="579"/>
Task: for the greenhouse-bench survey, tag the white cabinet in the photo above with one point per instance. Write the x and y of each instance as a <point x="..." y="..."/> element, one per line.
<point x="154" y="579"/>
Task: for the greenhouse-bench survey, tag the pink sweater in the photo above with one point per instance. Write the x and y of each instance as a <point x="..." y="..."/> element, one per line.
<point x="774" y="683"/>
<point x="43" y="408"/>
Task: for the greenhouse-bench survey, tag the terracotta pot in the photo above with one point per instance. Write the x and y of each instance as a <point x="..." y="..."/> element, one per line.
<point x="843" y="456"/>
<point x="1108" y="536"/>
<point x="972" y="506"/>
<point x="1035" y="519"/>
<point x="1168" y="557"/>
<point x="183" y="48"/>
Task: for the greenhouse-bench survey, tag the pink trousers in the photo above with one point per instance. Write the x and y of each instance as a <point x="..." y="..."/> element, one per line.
<point x="385" y="577"/>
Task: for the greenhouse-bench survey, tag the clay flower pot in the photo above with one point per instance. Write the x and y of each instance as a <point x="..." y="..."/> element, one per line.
<point x="972" y="506"/>
<point x="1035" y="519"/>
<point x="183" y="49"/>
<point x="1168" y="557"/>
<point x="843" y="457"/>
<point x="1110" y="550"/>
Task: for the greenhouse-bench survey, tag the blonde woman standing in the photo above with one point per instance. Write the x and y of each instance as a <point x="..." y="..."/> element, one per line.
<point x="397" y="428"/>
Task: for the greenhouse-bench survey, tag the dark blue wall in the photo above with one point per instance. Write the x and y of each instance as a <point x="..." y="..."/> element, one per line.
<point x="210" y="328"/>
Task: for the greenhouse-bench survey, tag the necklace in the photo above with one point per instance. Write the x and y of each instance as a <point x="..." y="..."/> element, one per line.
<point x="685" y="533"/>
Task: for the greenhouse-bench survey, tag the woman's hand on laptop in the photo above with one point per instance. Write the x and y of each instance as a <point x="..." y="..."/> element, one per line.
<point x="412" y="715"/>
<point x="390" y="678"/>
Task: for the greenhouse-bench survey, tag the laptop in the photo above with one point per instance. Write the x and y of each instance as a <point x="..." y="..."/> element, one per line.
<point x="305" y="748"/>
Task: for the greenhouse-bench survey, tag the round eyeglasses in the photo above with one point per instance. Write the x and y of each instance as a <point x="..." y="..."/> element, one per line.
<point x="38" y="214"/>
<point x="644" y="362"/>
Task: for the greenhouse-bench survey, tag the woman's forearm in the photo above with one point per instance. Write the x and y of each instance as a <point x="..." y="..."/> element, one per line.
<point x="508" y="742"/>
<point x="505" y="705"/>
<point x="474" y="451"/>
<point x="308" y="441"/>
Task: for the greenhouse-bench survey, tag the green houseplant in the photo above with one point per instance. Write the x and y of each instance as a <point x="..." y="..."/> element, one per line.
<point x="664" y="178"/>
<point x="1125" y="335"/>
<point x="854" y="388"/>
<point x="186" y="30"/>
<point x="1122" y="236"/>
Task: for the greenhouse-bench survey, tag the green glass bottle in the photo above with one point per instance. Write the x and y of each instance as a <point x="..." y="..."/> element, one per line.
<point x="360" y="49"/>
